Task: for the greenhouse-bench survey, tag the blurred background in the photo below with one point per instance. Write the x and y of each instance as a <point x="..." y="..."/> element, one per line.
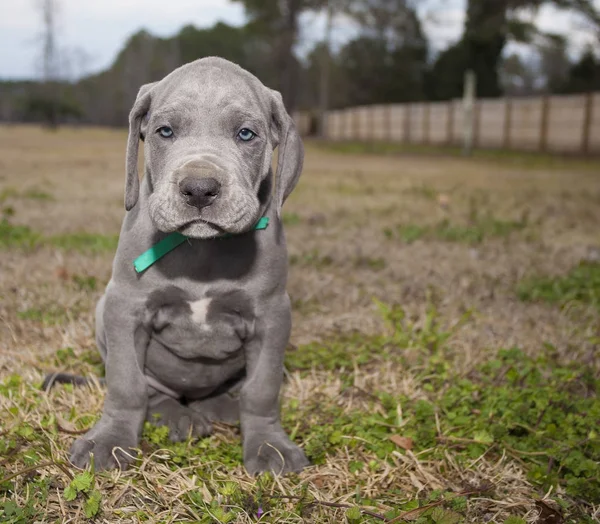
<point x="66" y="61"/>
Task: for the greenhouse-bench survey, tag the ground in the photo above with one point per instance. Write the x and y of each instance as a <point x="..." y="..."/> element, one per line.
<point x="442" y="366"/>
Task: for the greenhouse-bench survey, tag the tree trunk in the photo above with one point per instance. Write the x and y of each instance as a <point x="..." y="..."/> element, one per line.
<point x="288" y="65"/>
<point x="484" y="39"/>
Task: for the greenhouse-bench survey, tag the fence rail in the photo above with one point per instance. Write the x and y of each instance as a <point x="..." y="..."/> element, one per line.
<point x="560" y="124"/>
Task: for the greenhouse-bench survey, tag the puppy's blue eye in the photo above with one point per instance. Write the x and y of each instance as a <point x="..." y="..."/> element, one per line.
<point x="246" y="135"/>
<point x="165" y="132"/>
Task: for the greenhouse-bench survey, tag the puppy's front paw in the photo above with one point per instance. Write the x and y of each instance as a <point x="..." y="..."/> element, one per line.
<point x="273" y="452"/>
<point x="110" y="451"/>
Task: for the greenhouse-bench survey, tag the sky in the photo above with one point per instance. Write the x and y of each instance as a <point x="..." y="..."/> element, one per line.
<point x="98" y="29"/>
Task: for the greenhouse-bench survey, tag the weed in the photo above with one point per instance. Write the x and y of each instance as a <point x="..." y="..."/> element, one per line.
<point x="408" y="233"/>
<point x="85" y="282"/>
<point x="48" y="316"/>
<point x="82" y="486"/>
<point x="313" y="258"/>
<point x="306" y="307"/>
<point x="423" y="191"/>
<point x="36" y="194"/>
<point x="12" y="236"/>
<point x="374" y="264"/>
<point x="581" y="284"/>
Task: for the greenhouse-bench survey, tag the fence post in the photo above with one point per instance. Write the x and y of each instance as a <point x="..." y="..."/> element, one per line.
<point x="450" y="124"/>
<point x="544" y="123"/>
<point x="355" y="124"/>
<point x="469" y="102"/>
<point x="426" y="122"/>
<point x="387" y="115"/>
<point x="587" y="122"/>
<point x="407" y="114"/>
<point x="477" y="123"/>
<point x="371" y="115"/>
<point x="507" y="122"/>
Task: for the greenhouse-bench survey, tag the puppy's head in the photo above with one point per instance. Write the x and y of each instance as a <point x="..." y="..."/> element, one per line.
<point x="209" y="131"/>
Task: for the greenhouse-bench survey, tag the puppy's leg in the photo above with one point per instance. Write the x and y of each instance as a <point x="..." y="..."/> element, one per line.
<point x="113" y="439"/>
<point x="266" y="446"/>
<point x="182" y="421"/>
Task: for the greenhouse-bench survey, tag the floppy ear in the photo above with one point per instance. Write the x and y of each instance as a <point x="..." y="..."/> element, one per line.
<point x="140" y="108"/>
<point x="290" y="157"/>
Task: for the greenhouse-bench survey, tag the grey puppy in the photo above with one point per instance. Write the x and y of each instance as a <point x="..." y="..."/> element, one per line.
<point x="200" y="334"/>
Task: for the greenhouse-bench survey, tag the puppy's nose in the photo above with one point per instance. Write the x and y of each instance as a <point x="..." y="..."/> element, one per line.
<point x="199" y="191"/>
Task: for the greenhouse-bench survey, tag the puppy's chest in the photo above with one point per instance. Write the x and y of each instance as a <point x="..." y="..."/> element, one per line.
<point x="211" y="326"/>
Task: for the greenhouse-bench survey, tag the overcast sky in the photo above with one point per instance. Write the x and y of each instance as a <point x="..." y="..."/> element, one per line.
<point x="100" y="27"/>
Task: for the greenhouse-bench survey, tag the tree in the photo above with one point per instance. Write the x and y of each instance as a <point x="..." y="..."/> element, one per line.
<point x="278" y="21"/>
<point x="587" y="9"/>
<point x="488" y="27"/>
<point x="554" y="63"/>
<point x="387" y="62"/>
<point x="518" y="76"/>
<point x="50" y="74"/>
<point x="584" y="75"/>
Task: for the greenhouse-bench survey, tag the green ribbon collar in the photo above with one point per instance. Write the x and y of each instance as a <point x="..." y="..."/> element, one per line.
<point x="170" y="242"/>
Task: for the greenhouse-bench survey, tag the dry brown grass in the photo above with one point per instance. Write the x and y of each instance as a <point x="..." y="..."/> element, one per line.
<point x="341" y="259"/>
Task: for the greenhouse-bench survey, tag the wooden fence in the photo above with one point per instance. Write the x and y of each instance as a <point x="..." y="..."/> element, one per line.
<point x="560" y="124"/>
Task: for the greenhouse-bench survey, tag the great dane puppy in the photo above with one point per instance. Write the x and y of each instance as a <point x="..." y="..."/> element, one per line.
<point x="199" y="333"/>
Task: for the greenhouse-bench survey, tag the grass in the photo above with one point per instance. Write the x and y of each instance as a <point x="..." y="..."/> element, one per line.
<point x="14" y="236"/>
<point x="538" y="414"/>
<point x="312" y="258"/>
<point x="28" y="194"/>
<point x="524" y="159"/>
<point x="445" y="400"/>
<point x="22" y="237"/>
<point x="581" y="284"/>
<point x="48" y="315"/>
<point x="475" y="233"/>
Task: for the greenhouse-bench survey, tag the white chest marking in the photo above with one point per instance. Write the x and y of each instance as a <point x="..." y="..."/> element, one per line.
<point x="200" y="311"/>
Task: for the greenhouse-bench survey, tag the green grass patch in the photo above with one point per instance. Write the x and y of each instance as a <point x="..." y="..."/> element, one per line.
<point x="539" y="411"/>
<point x="49" y="316"/>
<point x="87" y="362"/>
<point x="312" y="258"/>
<point x="85" y="242"/>
<point x="8" y="192"/>
<point x="14" y="236"/>
<point x="85" y="282"/>
<point x="37" y="194"/>
<point x="473" y="233"/>
<point x="291" y="219"/>
<point x="30" y="194"/>
<point x="581" y="284"/>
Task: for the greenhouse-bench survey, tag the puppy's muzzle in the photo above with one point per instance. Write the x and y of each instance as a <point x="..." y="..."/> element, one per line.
<point x="199" y="192"/>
